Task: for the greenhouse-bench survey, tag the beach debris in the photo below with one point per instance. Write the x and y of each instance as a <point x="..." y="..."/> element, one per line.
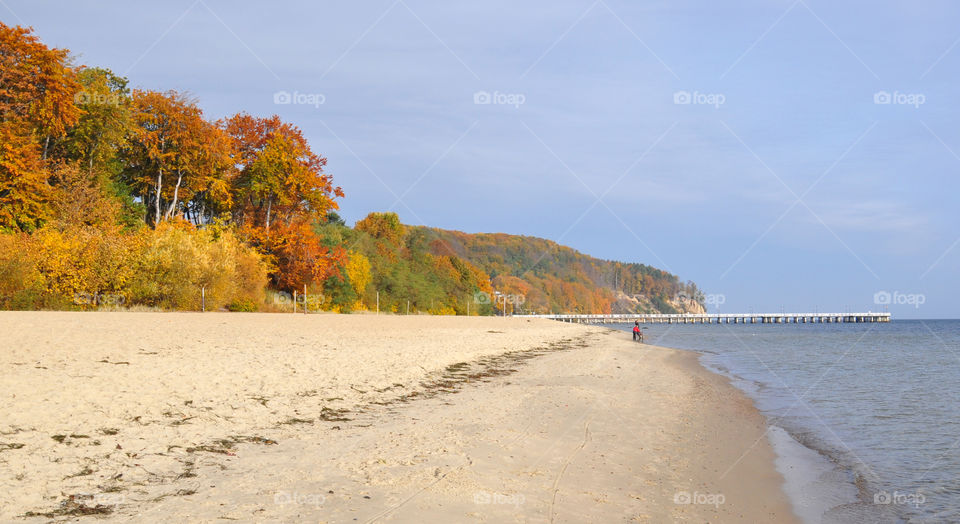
<point x="254" y="440"/>
<point x="333" y="415"/>
<point x="178" y="493"/>
<point x="226" y="446"/>
<point x="294" y="420"/>
<point x="75" y="506"/>
<point x="10" y="445"/>
<point x="188" y="469"/>
<point x="82" y="473"/>
<point x="121" y="363"/>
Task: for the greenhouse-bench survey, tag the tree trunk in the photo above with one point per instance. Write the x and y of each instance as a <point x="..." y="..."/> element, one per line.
<point x="269" y="207"/>
<point x="93" y="150"/>
<point x="156" y="205"/>
<point x="176" y="192"/>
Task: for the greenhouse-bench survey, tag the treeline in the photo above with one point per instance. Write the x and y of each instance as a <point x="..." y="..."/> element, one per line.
<point x="120" y="197"/>
<point x="555" y="278"/>
<point x="399" y="271"/>
<point x="107" y="191"/>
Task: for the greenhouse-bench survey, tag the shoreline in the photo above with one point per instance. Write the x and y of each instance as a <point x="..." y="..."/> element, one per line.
<point x="631" y="432"/>
<point x="821" y="481"/>
<point x="818" y="483"/>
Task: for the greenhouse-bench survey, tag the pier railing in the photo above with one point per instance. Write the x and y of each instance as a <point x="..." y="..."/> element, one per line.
<point x="720" y="318"/>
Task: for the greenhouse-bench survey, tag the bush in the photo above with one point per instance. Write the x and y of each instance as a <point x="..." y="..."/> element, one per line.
<point x="21" y="284"/>
<point x="242" y="305"/>
<point x="177" y="262"/>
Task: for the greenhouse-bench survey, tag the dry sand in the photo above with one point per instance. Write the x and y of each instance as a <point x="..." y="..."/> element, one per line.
<point x="327" y="418"/>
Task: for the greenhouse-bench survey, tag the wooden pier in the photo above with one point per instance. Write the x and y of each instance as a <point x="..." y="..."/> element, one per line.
<point x="721" y="318"/>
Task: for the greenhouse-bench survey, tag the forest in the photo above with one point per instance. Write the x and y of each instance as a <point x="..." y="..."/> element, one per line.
<point x="118" y="197"/>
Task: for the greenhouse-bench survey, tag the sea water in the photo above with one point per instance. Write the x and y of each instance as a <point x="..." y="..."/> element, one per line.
<point x="865" y="418"/>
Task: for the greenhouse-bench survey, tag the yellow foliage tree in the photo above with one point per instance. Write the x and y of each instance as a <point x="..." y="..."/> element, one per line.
<point x="358" y="272"/>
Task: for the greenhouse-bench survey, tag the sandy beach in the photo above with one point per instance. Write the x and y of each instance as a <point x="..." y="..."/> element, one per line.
<point x="333" y="418"/>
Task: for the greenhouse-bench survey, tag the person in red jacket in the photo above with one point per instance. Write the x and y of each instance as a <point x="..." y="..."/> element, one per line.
<point x="637" y="334"/>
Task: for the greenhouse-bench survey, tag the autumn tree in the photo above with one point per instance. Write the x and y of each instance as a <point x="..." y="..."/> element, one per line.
<point x="299" y="256"/>
<point x="105" y="121"/>
<point x="37" y="89"/>
<point x="37" y="85"/>
<point x="357" y="272"/>
<point x="23" y="182"/>
<point x="78" y="200"/>
<point x="278" y="193"/>
<point x="174" y="153"/>
<point x="387" y="230"/>
<point x="280" y="177"/>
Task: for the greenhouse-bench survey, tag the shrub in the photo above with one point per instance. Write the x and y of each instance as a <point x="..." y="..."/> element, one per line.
<point x="21" y="284"/>
<point x="177" y="262"/>
<point x="243" y="305"/>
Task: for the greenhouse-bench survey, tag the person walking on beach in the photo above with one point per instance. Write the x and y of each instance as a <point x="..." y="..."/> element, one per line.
<point x="637" y="334"/>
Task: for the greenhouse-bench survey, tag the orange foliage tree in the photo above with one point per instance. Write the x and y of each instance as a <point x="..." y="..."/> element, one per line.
<point x="299" y="256"/>
<point x="37" y="89"/>
<point x="280" y="190"/>
<point x="280" y="177"/>
<point x="37" y="84"/>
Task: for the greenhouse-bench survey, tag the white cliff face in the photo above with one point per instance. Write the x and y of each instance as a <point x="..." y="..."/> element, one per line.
<point x="687" y="305"/>
<point x="641" y="304"/>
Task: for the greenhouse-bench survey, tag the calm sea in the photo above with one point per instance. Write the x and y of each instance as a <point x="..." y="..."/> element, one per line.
<point x="865" y="418"/>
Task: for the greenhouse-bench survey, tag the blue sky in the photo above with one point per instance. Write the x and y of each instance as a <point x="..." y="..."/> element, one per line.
<point x="782" y="184"/>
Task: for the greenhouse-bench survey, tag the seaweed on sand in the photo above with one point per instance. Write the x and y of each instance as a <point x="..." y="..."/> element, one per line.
<point x="334" y="415"/>
<point x="74" y="506"/>
<point x="10" y="445"/>
<point x="295" y="420"/>
<point x="226" y="446"/>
